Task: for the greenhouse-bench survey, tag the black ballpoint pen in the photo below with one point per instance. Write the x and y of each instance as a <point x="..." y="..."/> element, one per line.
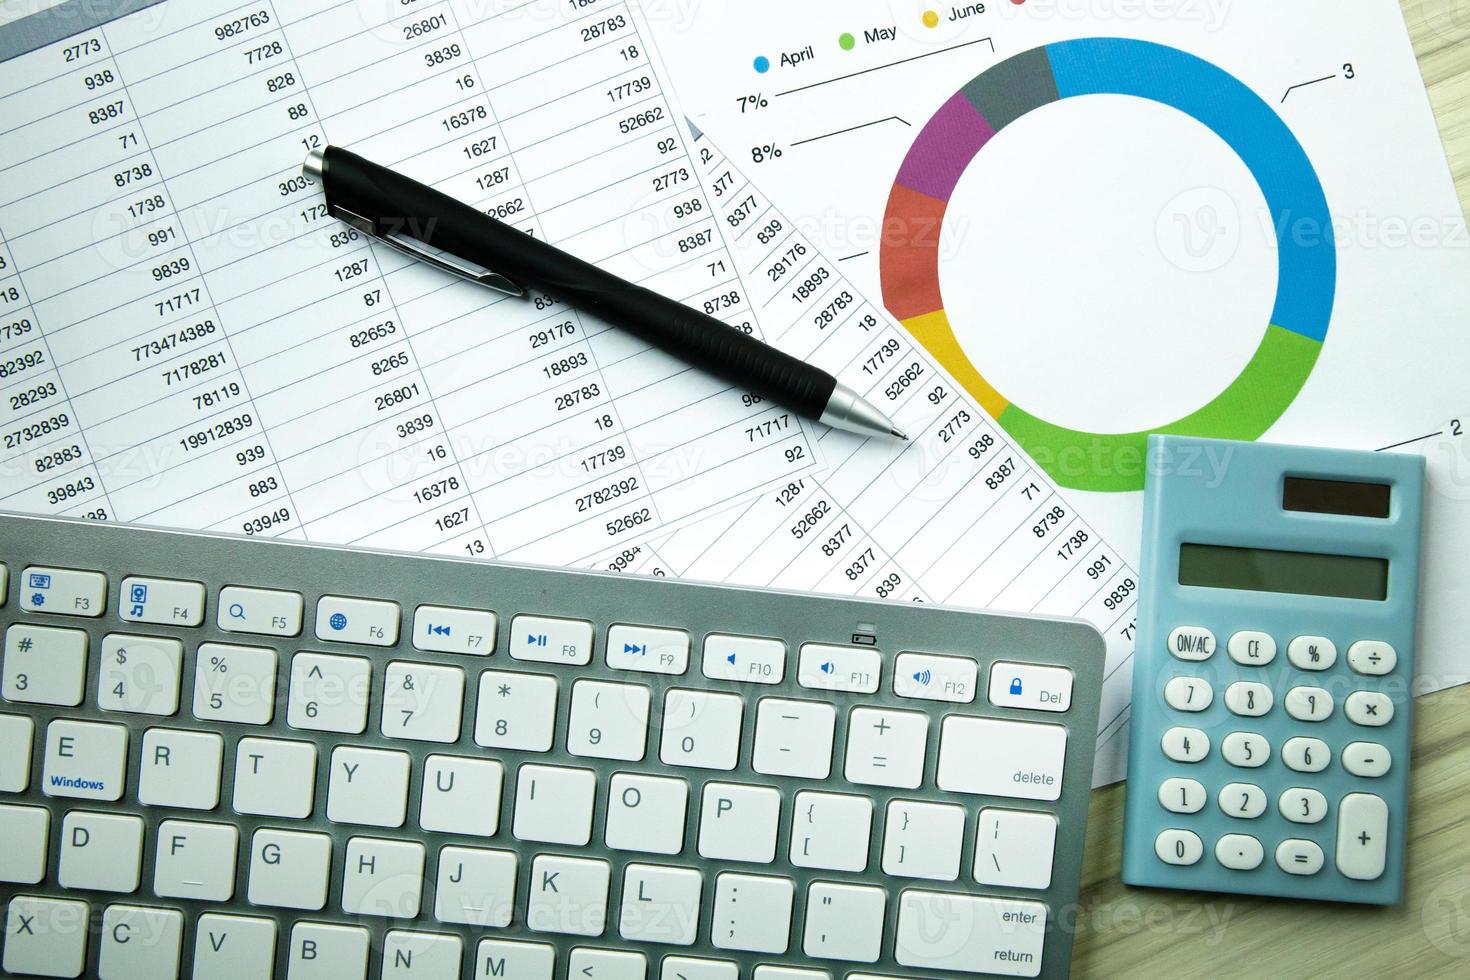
<point x="408" y="215"/>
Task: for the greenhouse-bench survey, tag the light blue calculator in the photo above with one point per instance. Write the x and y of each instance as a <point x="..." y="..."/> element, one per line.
<point x="1272" y="707"/>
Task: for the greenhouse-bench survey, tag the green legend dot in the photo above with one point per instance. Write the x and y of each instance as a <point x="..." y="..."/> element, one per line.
<point x="847" y="41"/>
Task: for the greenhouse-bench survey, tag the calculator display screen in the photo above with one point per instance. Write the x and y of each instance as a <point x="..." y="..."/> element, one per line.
<point x="1294" y="572"/>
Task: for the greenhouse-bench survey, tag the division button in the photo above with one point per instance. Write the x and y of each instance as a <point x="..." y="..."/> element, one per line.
<point x="1372" y="657"/>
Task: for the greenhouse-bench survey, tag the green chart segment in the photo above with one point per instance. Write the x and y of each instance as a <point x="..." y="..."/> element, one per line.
<point x="1307" y="250"/>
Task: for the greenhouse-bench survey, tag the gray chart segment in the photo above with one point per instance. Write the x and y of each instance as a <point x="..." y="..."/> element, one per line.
<point x="1013" y="88"/>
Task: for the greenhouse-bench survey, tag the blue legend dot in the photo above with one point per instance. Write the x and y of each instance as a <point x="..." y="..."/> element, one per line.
<point x="338" y="621"/>
<point x="763" y="64"/>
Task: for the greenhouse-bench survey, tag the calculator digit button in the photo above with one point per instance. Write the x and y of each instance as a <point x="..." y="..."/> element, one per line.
<point x="1192" y="643"/>
<point x="1368" y="759"/>
<point x="1309" y="704"/>
<point x="1245" y="801"/>
<point x="1189" y="694"/>
<point x="1246" y="750"/>
<point x="1299" y="857"/>
<point x="367" y="622"/>
<point x="267" y="612"/>
<point x="1182" y="795"/>
<point x="1252" y="648"/>
<point x="1311" y="653"/>
<point x="1372" y="657"/>
<point x="1303" y="805"/>
<point x="1248" y="698"/>
<point x="1362" y="836"/>
<point x="1182" y="847"/>
<point x="63" y="591"/>
<point x="1239" y="852"/>
<point x="1186" y="744"/>
<point x="1306" y="754"/>
<point x="1369" y="708"/>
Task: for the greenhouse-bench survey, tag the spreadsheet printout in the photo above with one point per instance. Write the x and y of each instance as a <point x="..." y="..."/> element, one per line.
<point x="187" y="338"/>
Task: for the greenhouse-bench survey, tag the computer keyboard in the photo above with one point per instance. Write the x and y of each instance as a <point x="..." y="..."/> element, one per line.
<point x="223" y="757"/>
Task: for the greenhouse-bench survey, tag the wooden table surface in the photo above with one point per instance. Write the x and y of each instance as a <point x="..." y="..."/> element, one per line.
<point x="1134" y="932"/>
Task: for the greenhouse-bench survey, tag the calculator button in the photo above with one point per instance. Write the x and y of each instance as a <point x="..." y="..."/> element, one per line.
<point x="1239" y="852"/>
<point x="1252" y="648"/>
<point x="834" y="668"/>
<point x="1299" y="857"/>
<point x="1192" y="643"/>
<point x="1309" y="704"/>
<point x="1369" y="708"/>
<point x="1311" y="653"/>
<point x="745" y="659"/>
<point x="1303" y="805"/>
<point x="1189" y="694"/>
<point x="1366" y="759"/>
<point x="1306" y="754"/>
<point x="547" y="640"/>
<point x="1243" y="800"/>
<point x="1362" y="836"/>
<point x="443" y="629"/>
<point x="1372" y="657"/>
<point x="1182" y="795"/>
<point x="1186" y="744"/>
<point x="63" y="591"/>
<point x="368" y="622"/>
<point x="263" y="611"/>
<point x="1179" y="847"/>
<point x="1248" y="698"/>
<point x="648" y="649"/>
<point x="1245" y="749"/>
<point x="161" y="601"/>
<point x="1030" y="686"/>
<point x="931" y="678"/>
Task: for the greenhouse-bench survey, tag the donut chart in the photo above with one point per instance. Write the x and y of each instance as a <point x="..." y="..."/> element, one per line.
<point x="1306" y="247"/>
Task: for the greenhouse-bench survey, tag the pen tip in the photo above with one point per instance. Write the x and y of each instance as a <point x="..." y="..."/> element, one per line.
<point x="899" y="433"/>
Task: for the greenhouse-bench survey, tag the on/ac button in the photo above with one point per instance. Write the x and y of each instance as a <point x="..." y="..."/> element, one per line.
<point x="1030" y="686"/>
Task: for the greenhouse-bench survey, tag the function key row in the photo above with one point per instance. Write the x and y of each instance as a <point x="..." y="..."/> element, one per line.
<point x="1252" y="648"/>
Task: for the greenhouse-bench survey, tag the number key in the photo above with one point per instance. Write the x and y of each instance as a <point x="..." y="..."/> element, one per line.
<point x="422" y="702"/>
<point x="1249" y="699"/>
<point x="1186" y="744"/>
<point x="1309" y="704"/>
<point x="516" y="711"/>
<point x="1244" y="800"/>
<point x="1303" y="805"/>
<point x="1182" y="795"/>
<point x="233" y="683"/>
<point x="329" y="694"/>
<point x="1246" y="749"/>
<point x="1189" y="694"/>
<point x="1306" y="754"/>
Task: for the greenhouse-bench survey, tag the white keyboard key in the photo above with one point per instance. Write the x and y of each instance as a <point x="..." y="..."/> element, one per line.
<point x="1245" y="801"/>
<point x="1188" y="694"/>
<point x="516" y="711"/>
<point x="737" y="822"/>
<point x="554" y="804"/>
<point x="365" y="622"/>
<point x="502" y="959"/>
<point x="383" y="878"/>
<point x="461" y="796"/>
<point x="443" y="629"/>
<point x="266" y="612"/>
<point x="196" y="860"/>
<point x="830" y="831"/>
<point x="1182" y="795"/>
<point x="1311" y="653"/>
<point x="568" y="895"/>
<point x="100" y="851"/>
<point x="319" y="951"/>
<point x="289" y="869"/>
<point x="1192" y="643"/>
<point x="1015" y="848"/>
<point x="970" y="933"/>
<point x="275" y="778"/>
<point x="1372" y="657"/>
<point x="607" y="964"/>
<point x="701" y="729"/>
<point x="1252" y="648"/>
<point x="140" y="943"/>
<point x="1367" y="759"/>
<point x="45" y="665"/>
<point x="329" y="693"/>
<point x="45" y="937"/>
<point x="1299" y="857"/>
<point x="824" y="667"/>
<point x="1302" y="805"/>
<point x="927" y="677"/>
<point x="1185" y="744"/>
<point x="844" y="922"/>
<point x="180" y="769"/>
<point x="368" y="786"/>
<point x="660" y="904"/>
<point x="140" y="674"/>
<point x="744" y="659"/>
<point x="646" y="813"/>
<point x="752" y="913"/>
<point x="476" y="887"/>
<point x="1029" y="768"/>
<point x="1239" y="852"/>
<point x="85" y="760"/>
<point x="1309" y="704"/>
<point x="161" y="601"/>
<point x="234" y="683"/>
<point x="886" y="747"/>
<point x="63" y="591"/>
<point x="4" y="582"/>
<point x="25" y="830"/>
<point x="1181" y="847"/>
<point x="649" y="649"/>
<point x="1369" y="708"/>
<point x="608" y="720"/>
<point x="1306" y="754"/>
<point x="767" y="972"/>
<point x="1362" y="836"/>
<point x="234" y="947"/>
<point x="1030" y="686"/>
<point x="17" y="735"/>
<point x="1246" y="750"/>
<point x="699" y="968"/>
<point x="923" y="840"/>
<point x="1248" y="698"/>
<point x="422" y="956"/>
<point x="422" y="702"/>
<point x="548" y="640"/>
<point x="794" y="738"/>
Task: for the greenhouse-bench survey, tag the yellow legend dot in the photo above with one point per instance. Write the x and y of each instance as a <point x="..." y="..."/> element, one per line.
<point x="931" y="18"/>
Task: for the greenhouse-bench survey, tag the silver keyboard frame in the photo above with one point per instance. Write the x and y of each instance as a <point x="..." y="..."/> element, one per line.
<point x="604" y="599"/>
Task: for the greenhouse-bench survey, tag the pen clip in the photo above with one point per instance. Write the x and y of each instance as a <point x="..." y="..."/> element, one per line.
<point x="477" y="274"/>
